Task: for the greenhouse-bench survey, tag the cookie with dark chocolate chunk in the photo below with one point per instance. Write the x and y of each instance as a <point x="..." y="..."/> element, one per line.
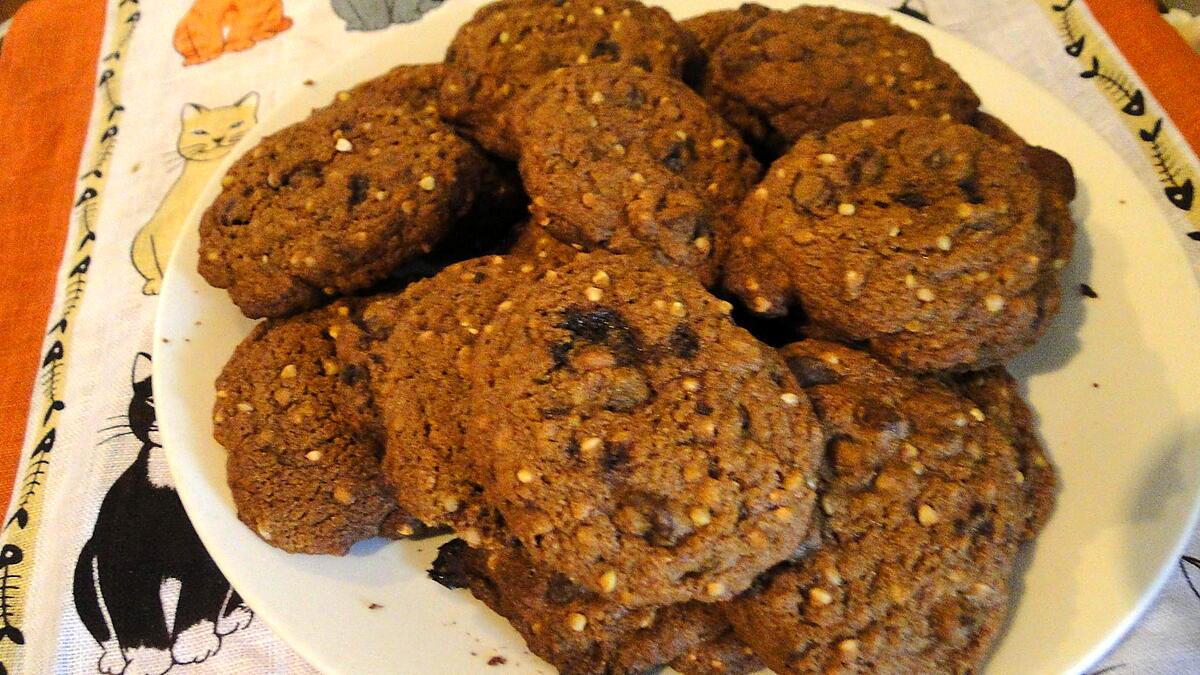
<point x="636" y="440"/>
<point x="937" y="246"/>
<point x="618" y="159"/>
<point x="333" y="204"/>
<point x="302" y="473"/>
<point x="813" y="68"/>
<point x="510" y="44"/>
<point x="925" y="506"/>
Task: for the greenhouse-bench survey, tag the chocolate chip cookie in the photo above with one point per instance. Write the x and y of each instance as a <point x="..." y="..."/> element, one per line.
<point x="332" y="204"/>
<point x="813" y="68"/>
<point x="510" y="44"/>
<point x="925" y="506"/>
<point x="302" y="476"/>
<point x="619" y="159"/>
<point x="420" y="382"/>
<point x="579" y="631"/>
<point x="925" y="239"/>
<point x="636" y="440"/>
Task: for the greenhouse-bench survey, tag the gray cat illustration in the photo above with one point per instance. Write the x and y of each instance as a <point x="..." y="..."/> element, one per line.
<point x="379" y="14"/>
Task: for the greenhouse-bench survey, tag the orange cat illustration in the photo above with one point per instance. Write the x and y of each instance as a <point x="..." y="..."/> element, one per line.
<point x="212" y="27"/>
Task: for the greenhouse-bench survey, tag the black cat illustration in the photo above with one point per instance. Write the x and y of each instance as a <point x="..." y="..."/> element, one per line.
<point x="145" y="587"/>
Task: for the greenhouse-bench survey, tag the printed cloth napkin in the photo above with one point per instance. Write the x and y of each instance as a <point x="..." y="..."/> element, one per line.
<point x="176" y="90"/>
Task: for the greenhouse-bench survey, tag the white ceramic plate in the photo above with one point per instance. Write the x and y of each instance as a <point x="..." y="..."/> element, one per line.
<point x="1116" y="385"/>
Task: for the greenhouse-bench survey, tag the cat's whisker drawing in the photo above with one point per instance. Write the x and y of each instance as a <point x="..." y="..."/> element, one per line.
<point x="116" y="436"/>
<point x="196" y="148"/>
<point x="124" y="425"/>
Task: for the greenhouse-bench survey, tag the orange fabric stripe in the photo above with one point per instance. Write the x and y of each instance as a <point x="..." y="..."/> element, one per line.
<point x="45" y="110"/>
<point x="1167" y="65"/>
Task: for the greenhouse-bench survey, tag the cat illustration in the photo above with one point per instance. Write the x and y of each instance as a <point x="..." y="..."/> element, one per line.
<point x="379" y="14"/>
<point x="142" y="549"/>
<point x="206" y="135"/>
<point x="213" y="27"/>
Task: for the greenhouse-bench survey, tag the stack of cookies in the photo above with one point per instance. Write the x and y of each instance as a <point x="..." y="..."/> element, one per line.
<point x="534" y="297"/>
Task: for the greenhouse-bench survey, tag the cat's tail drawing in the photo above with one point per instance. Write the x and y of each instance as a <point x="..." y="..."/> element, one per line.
<point x="87" y="602"/>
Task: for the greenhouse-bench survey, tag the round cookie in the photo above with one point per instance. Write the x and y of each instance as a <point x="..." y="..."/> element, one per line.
<point x="508" y="45"/>
<point x="924" y="508"/>
<point x="813" y="68"/>
<point x="578" y="631"/>
<point x="637" y="441"/>
<point x="302" y="475"/>
<point x="923" y="238"/>
<point x="420" y="381"/>
<point x="618" y="159"/>
<point x="332" y="204"/>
